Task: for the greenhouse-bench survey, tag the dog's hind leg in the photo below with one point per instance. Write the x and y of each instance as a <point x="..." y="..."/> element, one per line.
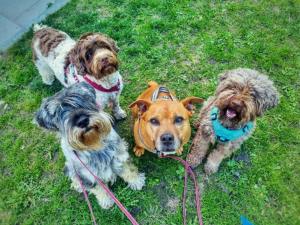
<point x="116" y="110"/>
<point x="45" y="71"/>
<point x="131" y="175"/>
<point x="104" y="199"/>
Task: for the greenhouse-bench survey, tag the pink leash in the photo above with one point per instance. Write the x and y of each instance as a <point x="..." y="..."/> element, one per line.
<point x="85" y="195"/>
<point x="132" y="220"/>
<point x="187" y="168"/>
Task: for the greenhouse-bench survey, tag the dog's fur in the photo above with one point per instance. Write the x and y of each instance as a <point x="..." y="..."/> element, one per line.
<point x="245" y="93"/>
<point x="164" y="123"/>
<point x="74" y="114"/>
<point x="93" y="56"/>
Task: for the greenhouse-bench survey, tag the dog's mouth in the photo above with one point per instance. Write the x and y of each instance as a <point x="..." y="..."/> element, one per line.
<point x="108" y="69"/>
<point x="231" y="113"/>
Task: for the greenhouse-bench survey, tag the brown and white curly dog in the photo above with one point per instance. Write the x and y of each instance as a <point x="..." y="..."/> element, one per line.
<point x="241" y="96"/>
<point x="92" y="59"/>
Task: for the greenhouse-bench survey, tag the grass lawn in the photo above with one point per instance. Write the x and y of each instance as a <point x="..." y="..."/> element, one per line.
<point x="185" y="45"/>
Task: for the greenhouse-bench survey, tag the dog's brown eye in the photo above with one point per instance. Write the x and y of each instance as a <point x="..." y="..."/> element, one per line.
<point x="179" y="119"/>
<point x="88" y="55"/>
<point x="154" y="121"/>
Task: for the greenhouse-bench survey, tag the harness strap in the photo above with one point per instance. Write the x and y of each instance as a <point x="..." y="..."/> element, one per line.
<point x="162" y="89"/>
<point x="93" y="84"/>
<point x="224" y="135"/>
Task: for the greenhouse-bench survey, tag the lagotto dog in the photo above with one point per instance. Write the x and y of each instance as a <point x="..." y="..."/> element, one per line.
<point x="229" y="117"/>
<point x="74" y="114"/>
<point x="92" y="59"/>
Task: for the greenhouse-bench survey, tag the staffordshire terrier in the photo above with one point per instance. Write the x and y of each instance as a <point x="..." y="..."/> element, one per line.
<point x="161" y="121"/>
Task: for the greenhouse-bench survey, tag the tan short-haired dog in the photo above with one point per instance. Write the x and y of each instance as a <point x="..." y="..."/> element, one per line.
<point x="162" y="121"/>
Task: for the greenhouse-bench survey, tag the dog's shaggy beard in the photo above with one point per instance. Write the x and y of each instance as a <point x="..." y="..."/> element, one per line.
<point x="232" y="115"/>
<point x="100" y="68"/>
<point x="91" y="137"/>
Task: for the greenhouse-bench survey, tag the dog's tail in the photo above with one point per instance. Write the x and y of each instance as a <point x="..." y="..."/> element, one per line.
<point x="152" y="83"/>
<point x="38" y="27"/>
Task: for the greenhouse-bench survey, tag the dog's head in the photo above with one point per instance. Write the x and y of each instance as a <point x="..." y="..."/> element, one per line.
<point x="73" y="112"/>
<point x="166" y="123"/>
<point x="94" y="54"/>
<point x="244" y="94"/>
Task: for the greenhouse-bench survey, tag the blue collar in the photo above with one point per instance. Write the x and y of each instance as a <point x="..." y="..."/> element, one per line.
<point x="224" y="135"/>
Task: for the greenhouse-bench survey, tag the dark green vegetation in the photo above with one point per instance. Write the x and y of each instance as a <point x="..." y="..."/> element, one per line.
<point x="185" y="45"/>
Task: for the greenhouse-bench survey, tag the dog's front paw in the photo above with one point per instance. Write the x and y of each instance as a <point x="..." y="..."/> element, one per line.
<point x="211" y="168"/>
<point x="193" y="161"/>
<point x="120" y="114"/>
<point x="106" y="202"/>
<point x="179" y="151"/>
<point x="138" y="151"/>
<point x="48" y="80"/>
<point x="139" y="182"/>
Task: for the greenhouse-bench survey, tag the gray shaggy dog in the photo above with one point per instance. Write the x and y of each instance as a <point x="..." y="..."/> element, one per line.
<point x="74" y="114"/>
<point x="228" y="118"/>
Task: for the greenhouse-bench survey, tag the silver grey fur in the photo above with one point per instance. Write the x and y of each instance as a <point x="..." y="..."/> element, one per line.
<point x="111" y="160"/>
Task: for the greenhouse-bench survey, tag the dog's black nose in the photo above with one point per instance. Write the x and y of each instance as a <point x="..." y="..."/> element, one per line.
<point x="104" y="59"/>
<point x="235" y="103"/>
<point x="83" y="122"/>
<point x="167" y="139"/>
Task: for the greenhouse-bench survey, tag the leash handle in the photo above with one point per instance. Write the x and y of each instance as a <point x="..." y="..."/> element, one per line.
<point x="129" y="216"/>
<point x="85" y="195"/>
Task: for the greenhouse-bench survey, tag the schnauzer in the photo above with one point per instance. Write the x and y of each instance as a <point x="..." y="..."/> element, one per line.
<point x="74" y="114"/>
<point x="229" y="117"/>
<point x="92" y="59"/>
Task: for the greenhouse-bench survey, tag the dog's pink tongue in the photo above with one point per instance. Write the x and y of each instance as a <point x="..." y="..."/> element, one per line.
<point x="230" y="113"/>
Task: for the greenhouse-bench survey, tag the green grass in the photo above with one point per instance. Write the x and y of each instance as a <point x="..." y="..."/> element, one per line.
<point x="185" y="45"/>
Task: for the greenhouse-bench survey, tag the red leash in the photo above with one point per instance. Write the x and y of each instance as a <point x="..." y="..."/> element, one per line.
<point x="129" y="216"/>
<point x="187" y="168"/>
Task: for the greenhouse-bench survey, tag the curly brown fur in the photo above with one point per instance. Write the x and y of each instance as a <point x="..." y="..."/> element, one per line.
<point x="241" y="96"/>
<point x="49" y="39"/>
<point x="92" y="59"/>
<point x="85" y="59"/>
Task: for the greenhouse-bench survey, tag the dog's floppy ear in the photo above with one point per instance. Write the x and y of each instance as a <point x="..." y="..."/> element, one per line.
<point x="189" y="102"/>
<point x="46" y="114"/>
<point x="142" y="106"/>
<point x="85" y="35"/>
<point x="75" y="57"/>
<point x="266" y="99"/>
<point x="110" y="41"/>
<point x="223" y="76"/>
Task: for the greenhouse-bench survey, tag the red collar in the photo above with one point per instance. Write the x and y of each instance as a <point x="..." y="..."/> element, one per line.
<point x="100" y="88"/>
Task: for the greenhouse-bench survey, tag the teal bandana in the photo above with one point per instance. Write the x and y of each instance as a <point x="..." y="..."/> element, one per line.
<point x="224" y="135"/>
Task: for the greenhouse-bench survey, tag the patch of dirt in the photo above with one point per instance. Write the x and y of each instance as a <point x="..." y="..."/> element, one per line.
<point x="161" y="190"/>
<point x="211" y="61"/>
<point x="172" y="205"/>
<point x="136" y="210"/>
<point x="244" y="158"/>
<point x="55" y="156"/>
